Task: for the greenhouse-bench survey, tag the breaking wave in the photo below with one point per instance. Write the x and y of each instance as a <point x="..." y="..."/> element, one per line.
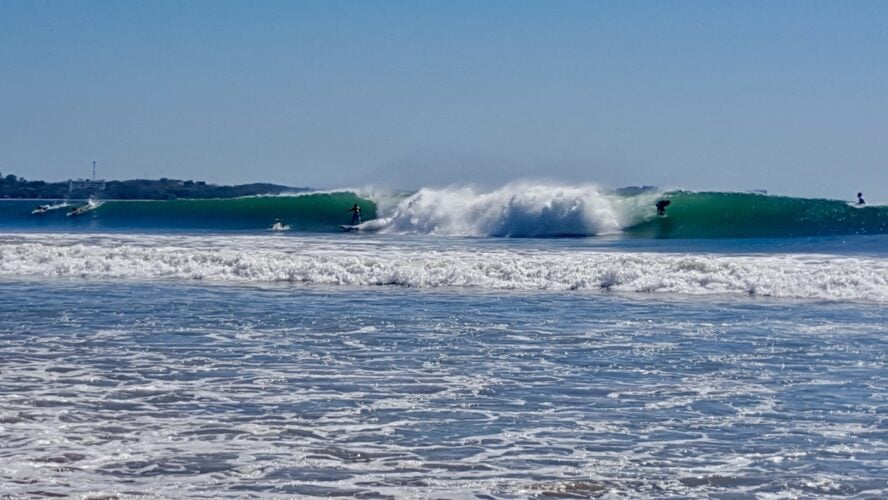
<point x="515" y="210"/>
<point x="523" y="210"/>
<point x="533" y="210"/>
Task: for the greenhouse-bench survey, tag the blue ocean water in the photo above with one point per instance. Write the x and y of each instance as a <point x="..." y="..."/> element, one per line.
<point x="231" y="362"/>
<point x="172" y="389"/>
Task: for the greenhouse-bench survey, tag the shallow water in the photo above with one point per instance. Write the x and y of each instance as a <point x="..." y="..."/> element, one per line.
<point x="180" y="388"/>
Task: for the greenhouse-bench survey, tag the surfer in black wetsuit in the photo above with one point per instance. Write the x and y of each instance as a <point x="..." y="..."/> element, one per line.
<point x="661" y="207"/>
<point x="356" y="214"/>
<point x="860" y="200"/>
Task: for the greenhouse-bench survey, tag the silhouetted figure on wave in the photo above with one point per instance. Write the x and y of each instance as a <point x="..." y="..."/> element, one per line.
<point x="356" y="214"/>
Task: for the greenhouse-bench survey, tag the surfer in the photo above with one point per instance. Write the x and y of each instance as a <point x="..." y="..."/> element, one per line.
<point x="356" y="214"/>
<point x="279" y="225"/>
<point x="661" y="207"/>
<point x="860" y="200"/>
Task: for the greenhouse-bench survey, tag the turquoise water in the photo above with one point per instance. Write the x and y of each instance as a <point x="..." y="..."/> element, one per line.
<point x="159" y="354"/>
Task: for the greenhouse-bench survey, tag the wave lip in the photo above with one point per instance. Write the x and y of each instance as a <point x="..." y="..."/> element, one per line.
<point x="785" y="275"/>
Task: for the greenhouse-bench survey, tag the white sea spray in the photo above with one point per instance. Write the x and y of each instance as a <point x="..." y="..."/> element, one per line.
<point x="517" y="209"/>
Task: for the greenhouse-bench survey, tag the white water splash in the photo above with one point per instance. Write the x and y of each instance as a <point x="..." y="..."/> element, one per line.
<point x="518" y="209"/>
<point x="373" y="262"/>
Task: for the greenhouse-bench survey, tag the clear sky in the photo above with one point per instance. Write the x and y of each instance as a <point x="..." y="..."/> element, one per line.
<point x="789" y="96"/>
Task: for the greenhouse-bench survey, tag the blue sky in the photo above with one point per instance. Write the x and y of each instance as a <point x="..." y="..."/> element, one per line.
<point x="785" y="96"/>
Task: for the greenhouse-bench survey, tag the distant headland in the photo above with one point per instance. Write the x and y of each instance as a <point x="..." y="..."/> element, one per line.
<point x="12" y="186"/>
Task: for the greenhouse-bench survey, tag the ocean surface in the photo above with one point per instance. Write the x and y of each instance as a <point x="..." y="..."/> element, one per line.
<point x="530" y="341"/>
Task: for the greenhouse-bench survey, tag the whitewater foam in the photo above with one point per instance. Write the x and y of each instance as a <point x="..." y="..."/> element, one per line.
<point x="519" y="209"/>
<point x="369" y="262"/>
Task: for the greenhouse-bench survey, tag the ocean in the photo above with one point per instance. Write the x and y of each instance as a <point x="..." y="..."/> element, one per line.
<point x="528" y="341"/>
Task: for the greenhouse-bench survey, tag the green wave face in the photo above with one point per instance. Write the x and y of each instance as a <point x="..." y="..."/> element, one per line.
<point x="313" y="212"/>
<point x="746" y="215"/>
<point x="318" y="212"/>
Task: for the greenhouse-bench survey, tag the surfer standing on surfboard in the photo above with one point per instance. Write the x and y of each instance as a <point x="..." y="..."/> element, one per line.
<point x="860" y="199"/>
<point x="356" y="214"/>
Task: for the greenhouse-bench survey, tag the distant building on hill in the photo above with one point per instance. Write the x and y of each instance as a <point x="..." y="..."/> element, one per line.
<point x="85" y="185"/>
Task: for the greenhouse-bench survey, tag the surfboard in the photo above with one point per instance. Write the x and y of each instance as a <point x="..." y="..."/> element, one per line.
<point x="349" y="227"/>
<point x="42" y="209"/>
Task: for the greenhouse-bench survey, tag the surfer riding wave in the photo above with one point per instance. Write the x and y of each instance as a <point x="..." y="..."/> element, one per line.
<point x="356" y="214"/>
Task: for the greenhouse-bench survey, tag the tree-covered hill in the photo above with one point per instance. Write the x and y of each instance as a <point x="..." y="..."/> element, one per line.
<point x="12" y="186"/>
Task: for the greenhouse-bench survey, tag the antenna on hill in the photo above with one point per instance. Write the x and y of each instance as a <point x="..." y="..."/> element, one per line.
<point x="86" y="185"/>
